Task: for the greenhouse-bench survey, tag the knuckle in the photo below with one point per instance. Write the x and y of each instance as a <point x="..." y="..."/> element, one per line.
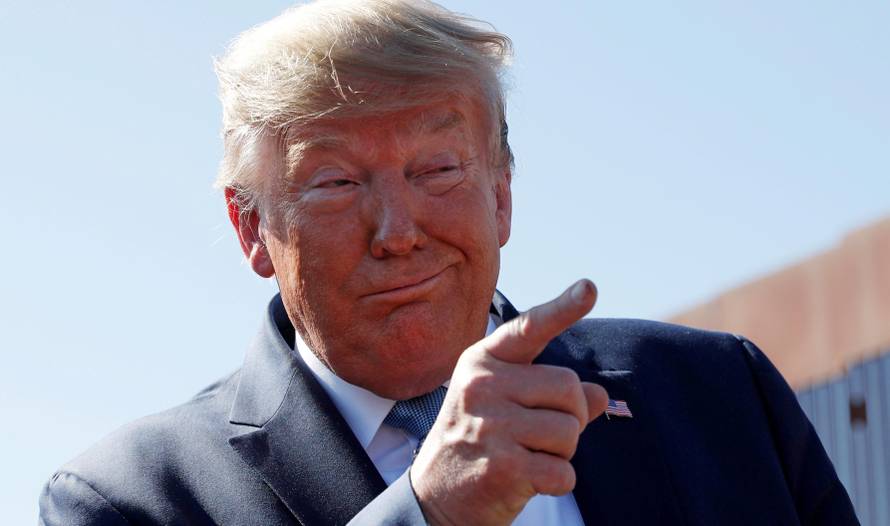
<point x="565" y="480"/>
<point x="571" y="389"/>
<point x="557" y="478"/>
<point x="567" y="379"/>
<point x="565" y="433"/>
<point x="565" y="384"/>
<point x="555" y="434"/>
<point x="485" y="428"/>
<point x="568" y="427"/>
<point x="477" y="389"/>
<point x="526" y="327"/>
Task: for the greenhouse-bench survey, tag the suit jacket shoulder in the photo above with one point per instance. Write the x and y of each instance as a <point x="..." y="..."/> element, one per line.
<point x="262" y="446"/>
<point x="712" y="421"/>
<point x="173" y="467"/>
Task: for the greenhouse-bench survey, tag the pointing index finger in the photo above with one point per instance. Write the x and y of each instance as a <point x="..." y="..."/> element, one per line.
<point x="522" y="339"/>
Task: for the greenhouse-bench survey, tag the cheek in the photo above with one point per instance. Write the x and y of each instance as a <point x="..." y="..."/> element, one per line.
<point x="466" y="216"/>
<point x="321" y="254"/>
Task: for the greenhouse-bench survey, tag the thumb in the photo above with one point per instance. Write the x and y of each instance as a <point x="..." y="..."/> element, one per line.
<point x="522" y="339"/>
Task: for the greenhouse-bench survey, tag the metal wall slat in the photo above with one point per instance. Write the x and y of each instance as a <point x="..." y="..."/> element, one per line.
<point x="884" y="366"/>
<point x="877" y="400"/>
<point x="805" y="399"/>
<point x="840" y="424"/>
<point x="822" y="418"/>
<point x="861" y="472"/>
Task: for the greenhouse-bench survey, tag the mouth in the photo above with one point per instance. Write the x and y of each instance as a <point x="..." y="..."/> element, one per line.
<point x="410" y="289"/>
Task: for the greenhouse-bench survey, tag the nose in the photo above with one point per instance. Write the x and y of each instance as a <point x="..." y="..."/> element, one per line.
<point x="396" y="213"/>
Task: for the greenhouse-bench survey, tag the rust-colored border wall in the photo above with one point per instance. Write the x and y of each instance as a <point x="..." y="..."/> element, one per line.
<point x="815" y="318"/>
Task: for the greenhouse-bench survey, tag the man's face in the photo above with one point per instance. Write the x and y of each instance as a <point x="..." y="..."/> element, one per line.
<point x="385" y="236"/>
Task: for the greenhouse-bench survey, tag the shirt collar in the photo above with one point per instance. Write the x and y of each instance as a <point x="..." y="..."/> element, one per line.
<point x="363" y="410"/>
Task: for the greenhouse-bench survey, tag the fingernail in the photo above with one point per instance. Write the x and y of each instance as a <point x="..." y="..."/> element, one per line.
<point x="580" y="291"/>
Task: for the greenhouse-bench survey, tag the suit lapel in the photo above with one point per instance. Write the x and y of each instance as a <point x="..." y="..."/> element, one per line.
<point x="296" y="439"/>
<point x="622" y="478"/>
<point x="502" y="309"/>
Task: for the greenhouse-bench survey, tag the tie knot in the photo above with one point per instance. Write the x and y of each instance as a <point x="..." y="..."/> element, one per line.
<point x="417" y="415"/>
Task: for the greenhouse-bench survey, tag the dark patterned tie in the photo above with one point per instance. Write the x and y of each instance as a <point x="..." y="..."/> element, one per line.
<point x="416" y="415"/>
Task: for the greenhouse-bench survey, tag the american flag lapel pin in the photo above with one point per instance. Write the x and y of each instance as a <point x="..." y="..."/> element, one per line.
<point x="618" y="408"/>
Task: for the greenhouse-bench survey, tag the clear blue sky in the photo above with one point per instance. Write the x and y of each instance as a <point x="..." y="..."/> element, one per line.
<point x="667" y="150"/>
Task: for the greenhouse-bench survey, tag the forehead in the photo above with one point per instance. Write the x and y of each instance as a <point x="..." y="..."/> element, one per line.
<point x="392" y="129"/>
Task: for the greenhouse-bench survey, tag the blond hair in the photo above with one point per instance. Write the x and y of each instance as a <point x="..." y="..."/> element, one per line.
<point x="347" y="58"/>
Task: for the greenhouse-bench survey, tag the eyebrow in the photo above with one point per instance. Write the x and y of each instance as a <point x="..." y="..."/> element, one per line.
<point x="320" y="141"/>
<point x="437" y="123"/>
<point x="297" y="149"/>
<point x="425" y="124"/>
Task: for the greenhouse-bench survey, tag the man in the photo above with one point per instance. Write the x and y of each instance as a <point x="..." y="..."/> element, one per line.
<point x="367" y="169"/>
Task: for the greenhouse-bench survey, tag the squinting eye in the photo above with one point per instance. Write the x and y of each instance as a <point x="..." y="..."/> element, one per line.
<point x="330" y="177"/>
<point x="336" y="183"/>
<point x="441" y="169"/>
<point x="441" y="179"/>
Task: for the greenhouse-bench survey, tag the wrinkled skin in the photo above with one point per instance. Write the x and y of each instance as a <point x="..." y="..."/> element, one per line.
<point x="385" y="240"/>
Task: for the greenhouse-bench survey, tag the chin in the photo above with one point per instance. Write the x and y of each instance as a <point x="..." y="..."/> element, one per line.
<point x="405" y="369"/>
<point x="409" y="351"/>
<point x="409" y="384"/>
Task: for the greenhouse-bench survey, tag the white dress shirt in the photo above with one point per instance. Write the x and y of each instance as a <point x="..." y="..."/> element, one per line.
<point x="391" y="449"/>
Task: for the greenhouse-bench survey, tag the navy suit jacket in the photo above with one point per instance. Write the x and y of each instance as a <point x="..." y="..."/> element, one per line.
<point x="716" y="438"/>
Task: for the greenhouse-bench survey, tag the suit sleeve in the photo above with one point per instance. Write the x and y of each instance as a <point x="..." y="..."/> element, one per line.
<point x="68" y="500"/>
<point x="396" y="506"/>
<point x="818" y="494"/>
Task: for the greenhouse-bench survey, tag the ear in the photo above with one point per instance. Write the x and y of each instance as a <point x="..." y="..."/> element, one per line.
<point x="247" y="226"/>
<point x="504" y="201"/>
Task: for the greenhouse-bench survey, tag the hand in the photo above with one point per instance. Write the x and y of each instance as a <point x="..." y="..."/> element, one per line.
<point x="507" y="428"/>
